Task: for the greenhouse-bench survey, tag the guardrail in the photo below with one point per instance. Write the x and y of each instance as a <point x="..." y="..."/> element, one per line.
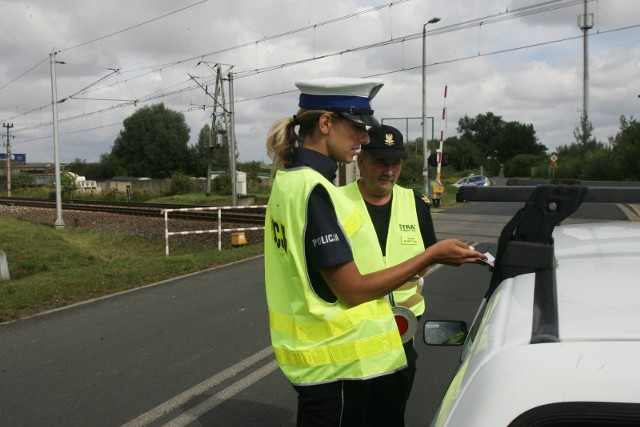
<point x="219" y="230"/>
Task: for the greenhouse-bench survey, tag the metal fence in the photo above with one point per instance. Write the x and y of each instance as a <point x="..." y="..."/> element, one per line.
<point x="219" y="230"/>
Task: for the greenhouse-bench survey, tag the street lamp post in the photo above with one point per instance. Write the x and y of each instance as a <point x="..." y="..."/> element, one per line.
<point x="425" y="151"/>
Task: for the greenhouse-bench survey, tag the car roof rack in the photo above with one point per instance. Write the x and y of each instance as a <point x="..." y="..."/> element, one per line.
<point x="525" y="244"/>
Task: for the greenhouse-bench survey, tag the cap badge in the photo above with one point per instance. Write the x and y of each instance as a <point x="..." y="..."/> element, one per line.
<point x="388" y="139"/>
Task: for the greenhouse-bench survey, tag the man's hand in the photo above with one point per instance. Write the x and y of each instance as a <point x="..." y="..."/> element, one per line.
<point x="454" y="252"/>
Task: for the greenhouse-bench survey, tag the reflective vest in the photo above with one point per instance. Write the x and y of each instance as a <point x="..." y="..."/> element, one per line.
<point x="404" y="241"/>
<point x="315" y="341"/>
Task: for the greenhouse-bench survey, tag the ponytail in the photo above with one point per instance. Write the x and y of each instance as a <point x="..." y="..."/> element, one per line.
<point x="282" y="137"/>
<point x="280" y="142"/>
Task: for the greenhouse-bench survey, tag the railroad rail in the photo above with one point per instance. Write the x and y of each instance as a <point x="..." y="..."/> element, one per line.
<point x="187" y="212"/>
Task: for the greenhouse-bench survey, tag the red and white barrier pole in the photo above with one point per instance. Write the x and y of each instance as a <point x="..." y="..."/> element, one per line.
<point x="444" y="123"/>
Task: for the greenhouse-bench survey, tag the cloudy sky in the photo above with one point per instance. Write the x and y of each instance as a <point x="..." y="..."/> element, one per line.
<point x="520" y="59"/>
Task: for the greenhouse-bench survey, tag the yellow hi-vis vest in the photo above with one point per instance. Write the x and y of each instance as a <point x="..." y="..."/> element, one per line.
<point x="315" y="341"/>
<point x="404" y="241"/>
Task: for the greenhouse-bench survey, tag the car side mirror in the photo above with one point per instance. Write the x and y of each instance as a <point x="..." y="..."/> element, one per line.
<point x="445" y="332"/>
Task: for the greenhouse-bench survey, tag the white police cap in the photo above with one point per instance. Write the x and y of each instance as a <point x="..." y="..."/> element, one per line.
<point x="350" y="97"/>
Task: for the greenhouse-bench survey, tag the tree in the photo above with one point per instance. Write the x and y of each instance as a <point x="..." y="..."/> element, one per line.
<point x="516" y="138"/>
<point x="584" y="158"/>
<point x="68" y="183"/>
<point x="112" y="166"/>
<point x="411" y="175"/>
<point x="78" y="166"/>
<point x="463" y="154"/>
<point x="626" y="147"/>
<point x="498" y="139"/>
<point x="153" y="143"/>
<point x="482" y="131"/>
<point x="93" y="171"/>
<point x="253" y="169"/>
<point x="583" y="133"/>
<point x="199" y="153"/>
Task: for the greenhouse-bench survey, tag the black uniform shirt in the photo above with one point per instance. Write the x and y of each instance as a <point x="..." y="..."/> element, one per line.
<point x="326" y="245"/>
<point x="381" y="215"/>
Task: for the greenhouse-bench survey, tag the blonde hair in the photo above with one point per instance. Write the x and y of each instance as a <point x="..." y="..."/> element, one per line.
<point x="282" y="137"/>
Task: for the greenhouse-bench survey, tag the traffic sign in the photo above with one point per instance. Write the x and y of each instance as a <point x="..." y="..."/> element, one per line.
<point x="553" y="158"/>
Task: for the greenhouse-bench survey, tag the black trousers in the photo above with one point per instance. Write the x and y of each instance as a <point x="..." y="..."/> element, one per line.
<point x="390" y="393"/>
<point x="339" y="403"/>
<point x="378" y="402"/>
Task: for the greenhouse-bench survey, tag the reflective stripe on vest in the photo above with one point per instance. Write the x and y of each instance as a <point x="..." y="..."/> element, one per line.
<point x="340" y="353"/>
<point x="322" y="330"/>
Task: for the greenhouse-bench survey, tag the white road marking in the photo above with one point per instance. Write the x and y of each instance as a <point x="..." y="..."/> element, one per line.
<point x="179" y="400"/>
<point x="193" y="414"/>
<point x="235" y="388"/>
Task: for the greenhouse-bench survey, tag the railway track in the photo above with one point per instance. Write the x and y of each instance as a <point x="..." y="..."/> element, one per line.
<point x="236" y="215"/>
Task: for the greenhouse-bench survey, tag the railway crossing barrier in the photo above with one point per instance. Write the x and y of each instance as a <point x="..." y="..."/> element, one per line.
<point x="219" y="230"/>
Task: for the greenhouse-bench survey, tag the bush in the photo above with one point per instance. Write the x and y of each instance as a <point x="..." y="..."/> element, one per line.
<point x="222" y="184"/>
<point x="20" y="180"/>
<point x="182" y="184"/>
<point x="140" y="196"/>
<point x="112" y="195"/>
<point x="522" y="165"/>
<point x="597" y="167"/>
<point x="411" y="171"/>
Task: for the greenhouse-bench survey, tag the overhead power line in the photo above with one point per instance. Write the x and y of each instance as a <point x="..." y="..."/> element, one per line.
<point x="180" y="88"/>
<point x="46" y="58"/>
<point x="133" y="26"/>
<point x="163" y="94"/>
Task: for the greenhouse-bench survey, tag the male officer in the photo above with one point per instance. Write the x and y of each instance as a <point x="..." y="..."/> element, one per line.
<point x="403" y="224"/>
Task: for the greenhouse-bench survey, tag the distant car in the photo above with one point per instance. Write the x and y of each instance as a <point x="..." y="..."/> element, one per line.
<point x="556" y="340"/>
<point x="475" y="180"/>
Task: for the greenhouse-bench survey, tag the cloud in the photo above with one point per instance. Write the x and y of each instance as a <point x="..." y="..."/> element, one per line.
<point x="492" y="55"/>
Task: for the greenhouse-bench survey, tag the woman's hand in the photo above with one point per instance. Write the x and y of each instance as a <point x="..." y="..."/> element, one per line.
<point x="454" y="252"/>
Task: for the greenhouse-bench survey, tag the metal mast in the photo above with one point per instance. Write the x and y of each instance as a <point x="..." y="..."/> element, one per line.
<point x="8" y="126"/>
<point x="585" y="22"/>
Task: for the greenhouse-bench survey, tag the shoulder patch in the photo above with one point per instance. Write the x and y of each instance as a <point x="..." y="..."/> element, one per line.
<point x="423" y="198"/>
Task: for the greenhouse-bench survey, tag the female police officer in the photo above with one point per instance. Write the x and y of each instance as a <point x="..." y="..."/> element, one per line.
<point x="331" y="327"/>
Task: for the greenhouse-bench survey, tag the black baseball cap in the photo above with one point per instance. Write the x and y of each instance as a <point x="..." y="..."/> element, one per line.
<point x="386" y="142"/>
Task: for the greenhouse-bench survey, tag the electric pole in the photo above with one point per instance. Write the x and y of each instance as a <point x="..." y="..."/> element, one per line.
<point x="225" y="129"/>
<point x="8" y="126"/>
<point x="585" y="22"/>
<point x="59" y="223"/>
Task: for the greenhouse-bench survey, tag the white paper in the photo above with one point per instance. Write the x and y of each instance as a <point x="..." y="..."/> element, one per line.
<point x="489" y="261"/>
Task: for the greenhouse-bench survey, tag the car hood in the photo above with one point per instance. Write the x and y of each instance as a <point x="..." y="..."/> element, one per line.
<point x="598" y="281"/>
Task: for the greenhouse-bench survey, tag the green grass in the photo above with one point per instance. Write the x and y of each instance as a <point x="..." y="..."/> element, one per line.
<point x="52" y="268"/>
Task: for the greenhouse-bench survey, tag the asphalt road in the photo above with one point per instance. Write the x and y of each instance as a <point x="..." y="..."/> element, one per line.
<point x="196" y="350"/>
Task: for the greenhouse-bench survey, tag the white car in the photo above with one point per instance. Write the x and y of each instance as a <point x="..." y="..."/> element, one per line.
<point x="475" y="180"/>
<point x="556" y="341"/>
